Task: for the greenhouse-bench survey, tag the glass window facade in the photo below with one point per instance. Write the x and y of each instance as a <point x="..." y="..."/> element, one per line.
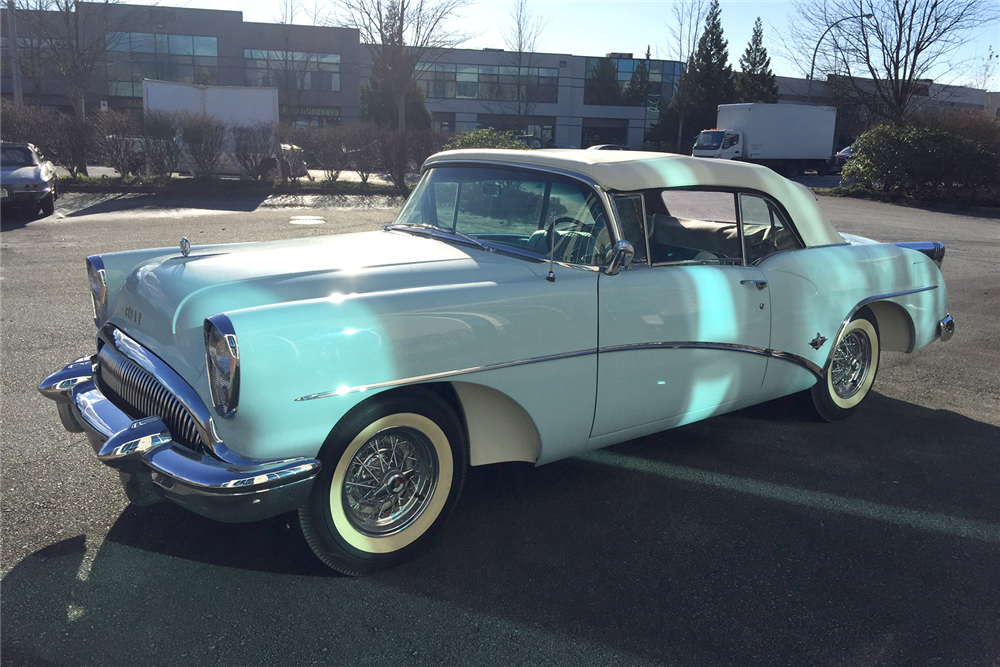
<point x="664" y="75"/>
<point x="292" y="70"/>
<point x="134" y="56"/>
<point x="489" y="82"/>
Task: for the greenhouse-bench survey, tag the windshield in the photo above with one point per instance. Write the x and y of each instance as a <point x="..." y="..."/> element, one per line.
<point x="710" y="140"/>
<point x="508" y="208"/>
<point x="16" y="156"/>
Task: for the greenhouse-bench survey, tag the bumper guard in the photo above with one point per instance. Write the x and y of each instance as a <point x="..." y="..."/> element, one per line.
<point x="154" y="468"/>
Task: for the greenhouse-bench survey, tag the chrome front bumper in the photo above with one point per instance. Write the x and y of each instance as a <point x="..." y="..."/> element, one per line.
<point x="153" y="467"/>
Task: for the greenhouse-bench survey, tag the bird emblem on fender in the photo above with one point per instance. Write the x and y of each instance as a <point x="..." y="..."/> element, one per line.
<point x="818" y="341"/>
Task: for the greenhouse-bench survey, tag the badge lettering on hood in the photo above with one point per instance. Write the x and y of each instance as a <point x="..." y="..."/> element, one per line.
<point x="134" y="315"/>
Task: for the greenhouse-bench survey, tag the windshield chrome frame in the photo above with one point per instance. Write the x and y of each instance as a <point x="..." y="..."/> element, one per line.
<point x="614" y="227"/>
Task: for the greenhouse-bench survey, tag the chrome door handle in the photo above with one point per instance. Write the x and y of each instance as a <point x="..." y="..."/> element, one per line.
<point x="761" y="284"/>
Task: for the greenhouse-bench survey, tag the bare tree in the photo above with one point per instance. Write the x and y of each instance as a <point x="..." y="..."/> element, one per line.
<point x="985" y="70"/>
<point x="69" y="45"/>
<point x="685" y="31"/>
<point x="882" y="53"/>
<point x="515" y="97"/>
<point x="401" y="34"/>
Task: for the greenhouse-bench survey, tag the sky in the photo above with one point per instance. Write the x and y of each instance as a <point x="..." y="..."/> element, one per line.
<point x="598" y="27"/>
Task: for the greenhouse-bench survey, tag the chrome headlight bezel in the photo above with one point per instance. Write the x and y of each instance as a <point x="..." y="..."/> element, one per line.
<point x="98" y="279"/>
<point x="222" y="363"/>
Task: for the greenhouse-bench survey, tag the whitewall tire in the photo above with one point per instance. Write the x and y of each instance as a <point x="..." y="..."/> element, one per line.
<point x="392" y="471"/>
<point x="851" y="371"/>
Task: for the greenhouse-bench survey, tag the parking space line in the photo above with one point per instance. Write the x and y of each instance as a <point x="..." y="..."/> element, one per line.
<point x="928" y="521"/>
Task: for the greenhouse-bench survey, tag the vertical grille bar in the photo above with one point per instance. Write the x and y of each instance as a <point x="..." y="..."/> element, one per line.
<point x="146" y="397"/>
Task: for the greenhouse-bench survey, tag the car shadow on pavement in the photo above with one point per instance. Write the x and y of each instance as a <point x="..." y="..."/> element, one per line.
<point x="696" y="546"/>
<point x="17" y="218"/>
<point x="100" y="203"/>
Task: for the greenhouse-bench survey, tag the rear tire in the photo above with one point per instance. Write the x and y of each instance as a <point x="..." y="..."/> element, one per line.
<point x="393" y="469"/>
<point x="47" y="206"/>
<point x="849" y="376"/>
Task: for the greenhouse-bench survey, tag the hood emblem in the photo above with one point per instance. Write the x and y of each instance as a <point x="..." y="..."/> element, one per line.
<point x="818" y="341"/>
<point x="185" y="246"/>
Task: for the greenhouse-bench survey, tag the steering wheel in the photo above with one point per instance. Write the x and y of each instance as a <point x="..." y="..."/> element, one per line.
<point x="577" y="226"/>
<point x="571" y="237"/>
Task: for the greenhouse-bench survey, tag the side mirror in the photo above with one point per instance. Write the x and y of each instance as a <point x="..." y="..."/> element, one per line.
<point x="621" y="257"/>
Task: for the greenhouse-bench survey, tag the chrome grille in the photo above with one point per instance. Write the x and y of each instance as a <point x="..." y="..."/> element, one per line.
<point x="139" y="390"/>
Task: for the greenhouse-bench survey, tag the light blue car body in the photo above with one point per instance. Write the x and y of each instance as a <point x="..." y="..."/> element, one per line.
<point x="542" y="369"/>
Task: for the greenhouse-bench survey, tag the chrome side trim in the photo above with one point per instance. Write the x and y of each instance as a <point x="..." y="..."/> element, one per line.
<point x="730" y="347"/>
<point x="340" y="391"/>
<point x="861" y="304"/>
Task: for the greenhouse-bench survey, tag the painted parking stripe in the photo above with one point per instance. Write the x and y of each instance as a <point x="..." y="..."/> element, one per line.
<point x="901" y="516"/>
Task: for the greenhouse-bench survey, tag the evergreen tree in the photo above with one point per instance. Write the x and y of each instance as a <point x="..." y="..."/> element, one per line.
<point x="755" y="83"/>
<point x="602" y="86"/>
<point x="709" y="80"/>
<point x="638" y="86"/>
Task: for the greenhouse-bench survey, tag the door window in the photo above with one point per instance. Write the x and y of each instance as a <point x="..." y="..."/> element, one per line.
<point x="765" y="229"/>
<point x="693" y="226"/>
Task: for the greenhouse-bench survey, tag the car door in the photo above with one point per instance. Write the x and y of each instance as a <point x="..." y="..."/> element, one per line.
<point x="683" y="333"/>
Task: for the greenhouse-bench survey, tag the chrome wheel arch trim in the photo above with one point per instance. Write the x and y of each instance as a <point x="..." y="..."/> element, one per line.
<point x="443" y="375"/>
<point x="861" y="304"/>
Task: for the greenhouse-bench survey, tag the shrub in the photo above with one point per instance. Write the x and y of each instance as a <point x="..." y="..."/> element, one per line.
<point x="485" y="138"/>
<point x="160" y="148"/>
<point x="204" y="138"/>
<point x="363" y="143"/>
<point x="937" y="160"/>
<point x="252" y="145"/>
<point x="116" y="141"/>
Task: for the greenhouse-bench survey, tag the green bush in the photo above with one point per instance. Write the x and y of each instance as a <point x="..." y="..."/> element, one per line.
<point x="931" y="161"/>
<point x="485" y="138"/>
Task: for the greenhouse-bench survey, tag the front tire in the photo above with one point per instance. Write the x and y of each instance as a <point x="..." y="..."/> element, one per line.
<point x="393" y="469"/>
<point x="849" y="376"/>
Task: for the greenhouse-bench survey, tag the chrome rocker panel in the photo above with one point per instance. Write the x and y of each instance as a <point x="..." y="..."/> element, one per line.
<point x="154" y="468"/>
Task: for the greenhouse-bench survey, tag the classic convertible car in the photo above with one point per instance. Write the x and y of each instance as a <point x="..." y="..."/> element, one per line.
<point x="524" y="306"/>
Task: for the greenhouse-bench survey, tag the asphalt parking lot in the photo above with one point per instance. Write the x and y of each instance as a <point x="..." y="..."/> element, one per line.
<point x="761" y="537"/>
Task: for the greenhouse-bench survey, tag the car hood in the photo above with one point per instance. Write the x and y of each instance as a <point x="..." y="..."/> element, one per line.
<point x="165" y="300"/>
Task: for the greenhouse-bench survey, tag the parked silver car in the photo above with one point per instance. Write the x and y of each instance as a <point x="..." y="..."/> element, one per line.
<point x="27" y="179"/>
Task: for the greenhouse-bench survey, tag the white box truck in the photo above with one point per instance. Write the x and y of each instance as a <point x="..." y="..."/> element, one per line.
<point x="233" y="105"/>
<point x="789" y="138"/>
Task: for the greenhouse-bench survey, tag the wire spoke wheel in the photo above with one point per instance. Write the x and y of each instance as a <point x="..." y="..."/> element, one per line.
<point x="851" y="371"/>
<point x="390" y="481"/>
<point x="392" y="470"/>
<point x="851" y="363"/>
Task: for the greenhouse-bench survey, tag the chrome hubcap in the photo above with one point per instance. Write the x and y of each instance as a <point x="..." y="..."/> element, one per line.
<point x="851" y="364"/>
<point x="390" y="481"/>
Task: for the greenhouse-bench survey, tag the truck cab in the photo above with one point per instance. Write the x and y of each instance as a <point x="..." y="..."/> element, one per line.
<point x="723" y="144"/>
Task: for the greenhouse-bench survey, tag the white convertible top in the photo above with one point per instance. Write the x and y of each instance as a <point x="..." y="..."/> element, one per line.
<point x="628" y="171"/>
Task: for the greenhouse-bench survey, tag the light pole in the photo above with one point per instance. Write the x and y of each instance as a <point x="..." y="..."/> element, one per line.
<point x="812" y="67"/>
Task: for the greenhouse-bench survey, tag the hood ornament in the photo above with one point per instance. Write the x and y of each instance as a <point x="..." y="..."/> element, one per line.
<point x="185" y="246"/>
<point x="818" y="341"/>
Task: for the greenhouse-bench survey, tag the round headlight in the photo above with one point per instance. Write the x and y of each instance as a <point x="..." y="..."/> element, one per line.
<point x="98" y="287"/>
<point x="222" y="357"/>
